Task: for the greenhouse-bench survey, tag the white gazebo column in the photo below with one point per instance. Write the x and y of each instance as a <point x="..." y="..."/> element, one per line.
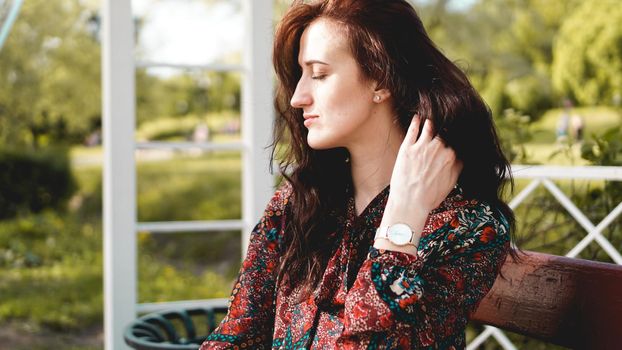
<point x="119" y="171"/>
<point x="257" y="113"/>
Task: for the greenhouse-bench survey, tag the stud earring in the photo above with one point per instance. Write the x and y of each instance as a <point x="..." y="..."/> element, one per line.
<point x="377" y="98"/>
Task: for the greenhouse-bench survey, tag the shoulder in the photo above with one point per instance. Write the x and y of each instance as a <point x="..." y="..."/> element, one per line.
<point x="281" y="197"/>
<point x="272" y="223"/>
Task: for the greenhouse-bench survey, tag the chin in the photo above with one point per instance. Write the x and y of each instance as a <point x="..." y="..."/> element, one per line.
<point x="319" y="143"/>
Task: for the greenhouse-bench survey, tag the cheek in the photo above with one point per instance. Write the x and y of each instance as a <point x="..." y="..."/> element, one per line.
<point x="344" y="99"/>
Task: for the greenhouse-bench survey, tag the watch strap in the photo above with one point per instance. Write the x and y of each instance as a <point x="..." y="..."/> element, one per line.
<point x="382" y="232"/>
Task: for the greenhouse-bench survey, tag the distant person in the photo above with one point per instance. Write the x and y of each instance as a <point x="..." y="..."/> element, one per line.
<point x="561" y="129"/>
<point x="93" y="139"/>
<point x="387" y="229"/>
<point x="576" y="127"/>
<point x="201" y="133"/>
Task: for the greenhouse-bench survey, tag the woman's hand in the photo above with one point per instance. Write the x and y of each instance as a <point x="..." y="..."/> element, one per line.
<point x="425" y="172"/>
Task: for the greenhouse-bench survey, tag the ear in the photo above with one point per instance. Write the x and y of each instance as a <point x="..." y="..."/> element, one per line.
<point x="383" y="93"/>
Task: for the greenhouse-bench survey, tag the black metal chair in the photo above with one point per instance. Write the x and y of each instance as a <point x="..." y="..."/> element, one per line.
<point x="162" y="330"/>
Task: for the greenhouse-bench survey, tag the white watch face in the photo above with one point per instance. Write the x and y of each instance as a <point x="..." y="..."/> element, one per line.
<point x="399" y="234"/>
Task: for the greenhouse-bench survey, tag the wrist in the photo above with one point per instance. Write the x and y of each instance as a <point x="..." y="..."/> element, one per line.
<point x="396" y="212"/>
<point x="385" y="244"/>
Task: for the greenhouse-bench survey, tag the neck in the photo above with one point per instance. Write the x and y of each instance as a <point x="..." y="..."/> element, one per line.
<point x="373" y="158"/>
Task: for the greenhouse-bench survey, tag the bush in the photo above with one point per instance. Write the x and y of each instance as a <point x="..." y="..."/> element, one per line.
<point x="31" y="182"/>
<point x="181" y="128"/>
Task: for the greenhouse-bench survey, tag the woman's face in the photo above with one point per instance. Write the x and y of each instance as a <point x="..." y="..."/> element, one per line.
<point x="336" y="101"/>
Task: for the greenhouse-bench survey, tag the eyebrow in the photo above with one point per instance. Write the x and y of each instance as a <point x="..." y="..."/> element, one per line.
<point x="310" y="62"/>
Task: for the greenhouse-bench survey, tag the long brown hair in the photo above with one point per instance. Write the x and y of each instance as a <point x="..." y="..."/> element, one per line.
<point x="391" y="46"/>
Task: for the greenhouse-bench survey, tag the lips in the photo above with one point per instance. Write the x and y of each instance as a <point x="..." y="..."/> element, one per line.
<point x="309" y="119"/>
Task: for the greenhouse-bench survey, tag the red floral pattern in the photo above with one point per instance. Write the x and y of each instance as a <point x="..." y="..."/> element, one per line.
<point x="369" y="298"/>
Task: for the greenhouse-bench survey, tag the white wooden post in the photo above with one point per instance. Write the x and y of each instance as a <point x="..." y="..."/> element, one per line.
<point x="257" y="113"/>
<point x="119" y="171"/>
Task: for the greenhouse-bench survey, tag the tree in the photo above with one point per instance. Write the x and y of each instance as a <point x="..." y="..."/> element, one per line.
<point x="505" y="47"/>
<point x="49" y="74"/>
<point x="587" y="62"/>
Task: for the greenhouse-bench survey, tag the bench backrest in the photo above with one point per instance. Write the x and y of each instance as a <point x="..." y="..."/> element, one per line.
<point x="570" y="302"/>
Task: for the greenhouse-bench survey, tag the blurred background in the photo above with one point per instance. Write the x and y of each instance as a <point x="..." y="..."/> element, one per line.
<point x="550" y="70"/>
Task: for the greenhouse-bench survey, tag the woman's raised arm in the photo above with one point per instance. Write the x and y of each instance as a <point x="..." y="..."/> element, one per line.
<point x="404" y="301"/>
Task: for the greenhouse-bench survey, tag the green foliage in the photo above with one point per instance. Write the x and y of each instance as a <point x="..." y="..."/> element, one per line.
<point x="32" y="181"/>
<point x="171" y="128"/>
<point x="45" y="239"/>
<point x="49" y="75"/>
<point x="59" y="254"/>
<point x="588" y="53"/>
<point x="180" y="128"/>
<point x="514" y="127"/>
<point x="50" y="79"/>
<point x="187" y="94"/>
<point x="604" y="149"/>
<point x="506" y="47"/>
<point x="53" y="255"/>
<point x="544" y="225"/>
<point x="530" y="93"/>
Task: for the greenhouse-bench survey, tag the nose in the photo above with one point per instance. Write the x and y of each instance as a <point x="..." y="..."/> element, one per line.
<point x="301" y="98"/>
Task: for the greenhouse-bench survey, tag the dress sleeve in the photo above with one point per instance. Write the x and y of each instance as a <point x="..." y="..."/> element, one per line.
<point x="249" y="321"/>
<point x="399" y="299"/>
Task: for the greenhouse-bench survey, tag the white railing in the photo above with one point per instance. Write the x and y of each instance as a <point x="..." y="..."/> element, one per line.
<point x="543" y="175"/>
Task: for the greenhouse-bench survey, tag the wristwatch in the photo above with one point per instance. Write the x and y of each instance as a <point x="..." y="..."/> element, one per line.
<point x="399" y="234"/>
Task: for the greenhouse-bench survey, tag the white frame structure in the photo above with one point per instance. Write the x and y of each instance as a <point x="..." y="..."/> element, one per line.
<point x="119" y="171"/>
<point x="120" y="226"/>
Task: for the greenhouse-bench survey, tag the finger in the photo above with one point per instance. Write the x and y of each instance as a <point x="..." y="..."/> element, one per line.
<point x="413" y="130"/>
<point x="428" y="131"/>
<point x="439" y="141"/>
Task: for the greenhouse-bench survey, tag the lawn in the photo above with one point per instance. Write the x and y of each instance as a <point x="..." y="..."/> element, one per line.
<point x="543" y="148"/>
<point x="59" y="255"/>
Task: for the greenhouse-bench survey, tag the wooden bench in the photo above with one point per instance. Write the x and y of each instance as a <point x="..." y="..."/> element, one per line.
<point x="574" y="303"/>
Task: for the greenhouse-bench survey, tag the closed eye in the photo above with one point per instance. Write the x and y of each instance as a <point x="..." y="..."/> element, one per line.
<point x="319" y="77"/>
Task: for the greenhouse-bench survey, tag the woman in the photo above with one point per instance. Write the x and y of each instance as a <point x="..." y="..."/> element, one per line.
<point x="388" y="229"/>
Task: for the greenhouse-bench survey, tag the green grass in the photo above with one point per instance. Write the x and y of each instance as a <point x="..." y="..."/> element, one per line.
<point x="51" y="270"/>
<point x="596" y="119"/>
<point x="543" y="143"/>
<point x="51" y="263"/>
<point x="555" y="154"/>
<point x="190" y="188"/>
<point x="60" y="296"/>
<point x="536" y="142"/>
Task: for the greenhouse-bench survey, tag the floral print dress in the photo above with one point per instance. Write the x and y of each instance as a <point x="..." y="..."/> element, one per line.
<point x="369" y="298"/>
